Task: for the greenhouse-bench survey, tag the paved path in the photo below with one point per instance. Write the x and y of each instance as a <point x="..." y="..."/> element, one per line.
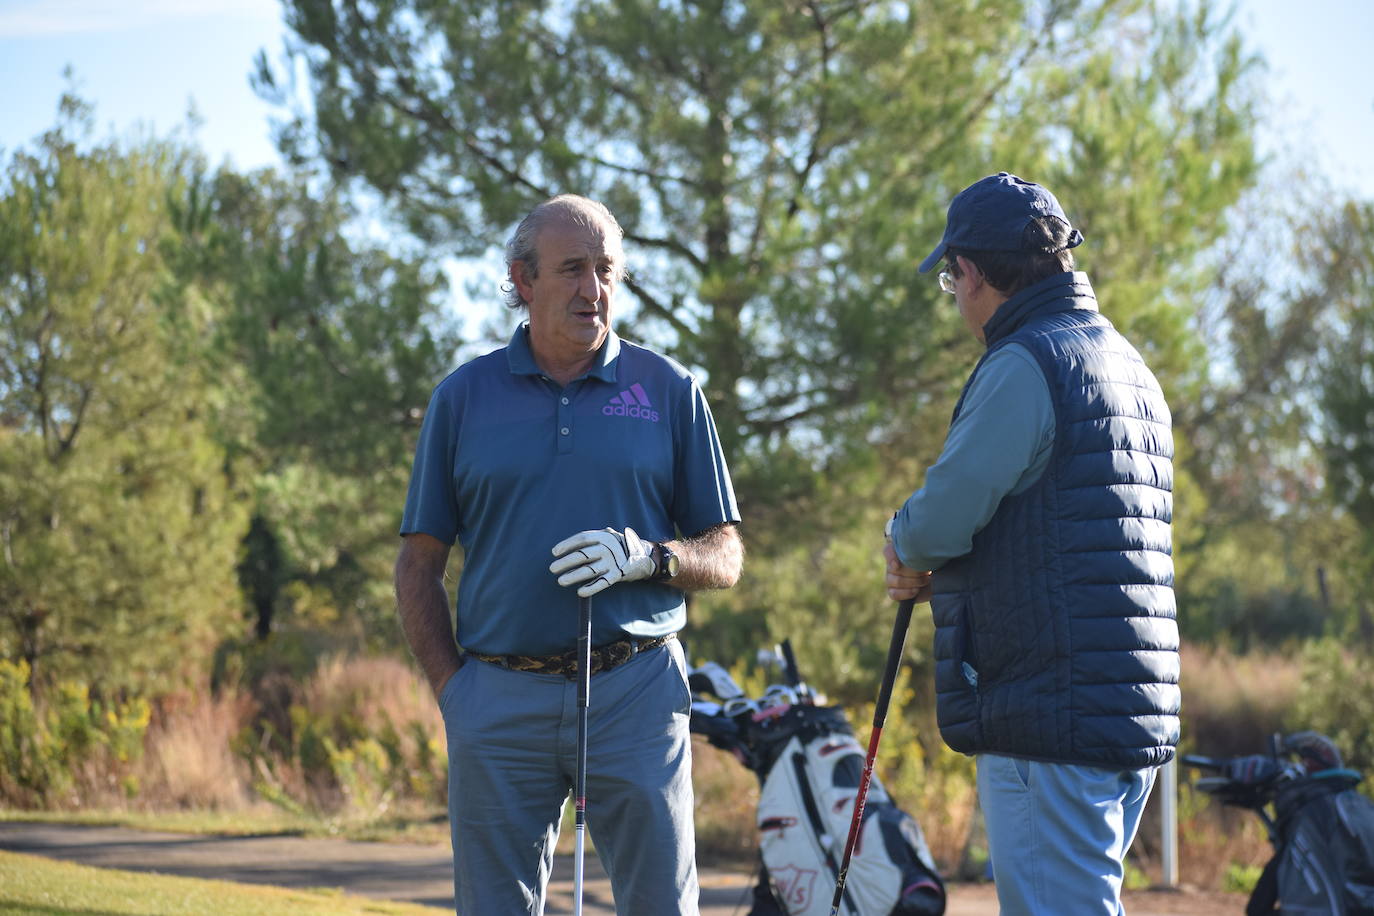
<point x="390" y="871"/>
<point x="424" y="875"/>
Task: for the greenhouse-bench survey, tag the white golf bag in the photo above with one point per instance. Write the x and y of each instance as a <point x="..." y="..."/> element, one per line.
<point x="809" y="766"/>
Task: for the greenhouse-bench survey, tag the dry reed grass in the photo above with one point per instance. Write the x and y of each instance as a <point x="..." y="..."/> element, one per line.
<point x="223" y="752"/>
<point x="726" y="796"/>
<point x="1213" y="839"/>
<point x="1232" y="703"/>
<point x="189" y="762"/>
<point x="376" y="692"/>
<point x="947" y="811"/>
<point x="198" y="749"/>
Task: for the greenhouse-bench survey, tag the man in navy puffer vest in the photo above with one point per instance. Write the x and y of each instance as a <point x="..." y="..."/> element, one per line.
<point x="1041" y="540"/>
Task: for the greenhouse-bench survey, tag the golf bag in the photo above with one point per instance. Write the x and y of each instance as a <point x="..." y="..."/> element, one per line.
<point x="809" y="764"/>
<point x="1321" y="827"/>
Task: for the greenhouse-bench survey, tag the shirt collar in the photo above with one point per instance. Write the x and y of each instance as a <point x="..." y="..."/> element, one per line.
<point x="1061" y="292"/>
<point x="520" y="357"/>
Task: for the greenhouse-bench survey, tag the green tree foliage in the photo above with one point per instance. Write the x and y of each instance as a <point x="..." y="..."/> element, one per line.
<point x="785" y="164"/>
<point x="780" y="168"/>
<point x="1347" y="251"/>
<point x="1335" y="700"/>
<point x="210" y="387"/>
<point x="118" y="523"/>
<point x="333" y="344"/>
<point x="1276" y="422"/>
<point x="1250" y="500"/>
<point x="1346" y="256"/>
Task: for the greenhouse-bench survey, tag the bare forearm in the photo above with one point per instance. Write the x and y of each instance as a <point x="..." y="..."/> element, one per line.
<point x="712" y="559"/>
<point x="422" y="603"/>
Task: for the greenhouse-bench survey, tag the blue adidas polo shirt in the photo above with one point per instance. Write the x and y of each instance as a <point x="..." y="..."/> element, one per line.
<point x="509" y="464"/>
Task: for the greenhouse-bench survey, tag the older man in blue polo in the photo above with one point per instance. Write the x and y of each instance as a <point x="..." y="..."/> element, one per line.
<point x="1041" y="539"/>
<point x="569" y="462"/>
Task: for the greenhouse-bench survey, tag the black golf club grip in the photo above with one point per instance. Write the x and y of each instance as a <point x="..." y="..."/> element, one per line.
<point x="584" y="649"/>
<point x="790" y="663"/>
<point x="894" y="659"/>
<point x="1216" y="764"/>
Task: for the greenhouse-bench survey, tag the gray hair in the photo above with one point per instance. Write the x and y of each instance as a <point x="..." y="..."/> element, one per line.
<point x="522" y="247"/>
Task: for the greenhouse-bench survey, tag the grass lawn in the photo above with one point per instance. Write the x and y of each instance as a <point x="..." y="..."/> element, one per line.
<point x="34" y="885"/>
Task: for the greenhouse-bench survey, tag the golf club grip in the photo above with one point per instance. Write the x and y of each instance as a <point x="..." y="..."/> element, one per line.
<point x="584" y="649"/>
<point x="790" y="662"/>
<point x="894" y="660"/>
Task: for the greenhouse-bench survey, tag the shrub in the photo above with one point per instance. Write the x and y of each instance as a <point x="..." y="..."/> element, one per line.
<point x="1336" y="698"/>
<point x="70" y="750"/>
<point x="26" y="770"/>
<point x="932" y="783"/>
<point x="358" y="735"/>
<point x="1240" y="878"/>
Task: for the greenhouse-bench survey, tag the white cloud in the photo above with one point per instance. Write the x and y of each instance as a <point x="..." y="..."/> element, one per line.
<point x="37" y="18"/>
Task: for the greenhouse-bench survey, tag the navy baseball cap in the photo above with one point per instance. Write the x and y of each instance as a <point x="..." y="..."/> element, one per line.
<point x="991" y="214"/>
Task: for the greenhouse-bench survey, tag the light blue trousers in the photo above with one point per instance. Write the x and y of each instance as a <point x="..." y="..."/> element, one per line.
<point x="1058" y="833"/>
<point x="512" y="743"/>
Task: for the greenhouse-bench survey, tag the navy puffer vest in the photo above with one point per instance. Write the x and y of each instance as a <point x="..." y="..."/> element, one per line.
<point x="1055" y="635"/>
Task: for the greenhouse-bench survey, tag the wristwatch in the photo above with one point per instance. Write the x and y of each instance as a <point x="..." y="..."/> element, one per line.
<point x="665" y="563"/>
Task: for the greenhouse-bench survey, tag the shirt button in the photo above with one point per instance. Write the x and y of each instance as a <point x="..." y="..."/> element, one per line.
<point x="565" y="400"/>
<point x="564" y="430"/>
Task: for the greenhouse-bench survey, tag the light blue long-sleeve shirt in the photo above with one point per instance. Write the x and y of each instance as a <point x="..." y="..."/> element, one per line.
<point x="999" y="445"/>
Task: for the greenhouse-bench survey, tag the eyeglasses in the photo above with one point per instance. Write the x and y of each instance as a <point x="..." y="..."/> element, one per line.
<point x="947" y="281"/>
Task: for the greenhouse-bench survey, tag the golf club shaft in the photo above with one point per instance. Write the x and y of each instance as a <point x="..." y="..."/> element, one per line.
<point x="894" y="660"/>
<point x="584" y="680"/>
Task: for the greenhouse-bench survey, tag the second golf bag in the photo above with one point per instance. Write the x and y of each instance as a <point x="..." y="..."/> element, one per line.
<point x="809" y="764"/>
<point x="1321" y="828"/>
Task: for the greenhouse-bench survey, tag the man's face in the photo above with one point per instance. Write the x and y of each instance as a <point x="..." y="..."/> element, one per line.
<point x="570" y="299"/>
<point x="970" y="294"/>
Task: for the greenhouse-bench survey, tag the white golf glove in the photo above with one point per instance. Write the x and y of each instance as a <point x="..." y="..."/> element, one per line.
<point x="601" y="558"/>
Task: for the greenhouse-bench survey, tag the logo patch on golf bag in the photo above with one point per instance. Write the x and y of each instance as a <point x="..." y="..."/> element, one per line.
<point x="796" y="887"/>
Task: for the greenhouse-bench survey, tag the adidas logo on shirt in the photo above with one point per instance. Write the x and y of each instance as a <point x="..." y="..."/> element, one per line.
<point x="632" y="402"/>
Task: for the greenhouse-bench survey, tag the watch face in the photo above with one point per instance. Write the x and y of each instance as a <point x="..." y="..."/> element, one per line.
<point x="667" y="563"/>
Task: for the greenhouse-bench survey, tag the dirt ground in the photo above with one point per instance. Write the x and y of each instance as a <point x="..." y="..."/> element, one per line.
<point x="423" y="874"/>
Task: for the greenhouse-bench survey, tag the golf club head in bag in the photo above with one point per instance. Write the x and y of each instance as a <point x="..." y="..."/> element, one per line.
<point x="782" y="659"/>
<point x="712" y="680"/>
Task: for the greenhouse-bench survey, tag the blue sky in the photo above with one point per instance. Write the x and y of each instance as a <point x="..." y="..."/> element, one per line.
<point x="141" y="61"/>
<point x="146" y="61"/>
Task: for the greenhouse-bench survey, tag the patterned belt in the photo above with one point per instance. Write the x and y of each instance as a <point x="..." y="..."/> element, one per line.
<point x="604" y="657"/>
